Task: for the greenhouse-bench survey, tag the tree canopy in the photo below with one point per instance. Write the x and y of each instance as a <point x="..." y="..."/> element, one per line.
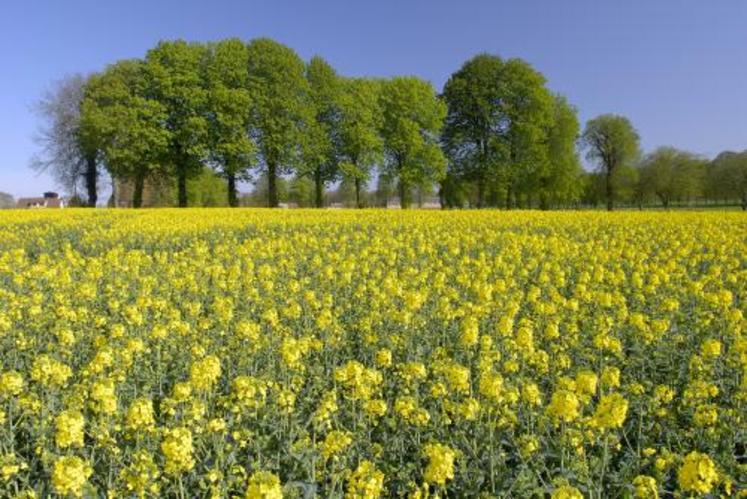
<point x="497" y="136"/>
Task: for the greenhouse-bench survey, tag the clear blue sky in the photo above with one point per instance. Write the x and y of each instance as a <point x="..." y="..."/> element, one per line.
<point x="676" y="68"/>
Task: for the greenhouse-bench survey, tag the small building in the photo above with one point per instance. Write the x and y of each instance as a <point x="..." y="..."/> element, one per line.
<point x="48" y="200"/>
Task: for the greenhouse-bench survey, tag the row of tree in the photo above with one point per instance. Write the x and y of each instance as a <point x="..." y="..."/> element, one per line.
<point x="496" y="136"/>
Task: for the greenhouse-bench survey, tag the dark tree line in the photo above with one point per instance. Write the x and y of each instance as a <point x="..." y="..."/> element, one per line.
<point x="495" y="137"/>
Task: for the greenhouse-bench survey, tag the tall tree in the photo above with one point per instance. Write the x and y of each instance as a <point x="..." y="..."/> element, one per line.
<point x="176" y="78"/>
<point x="279" y="108"/>
<point x="413" y="117"/>
<point x="671" y="175"/>
<point x="232" y="150"/>
<point x="360" y="143"/>
<point x="613" y="144"/>
<point x="127" y="126"/>
<point x="495" y="134"/>
<point x="728" y="176"/>
<point x="321" y="140"/>
<point x="6" y="201"/>
<point x="65" y="153"/>
<point x="559" y="181"/>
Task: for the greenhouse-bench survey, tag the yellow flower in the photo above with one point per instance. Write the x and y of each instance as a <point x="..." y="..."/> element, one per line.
<point x="470" y="332"/>
<point x="697" y="473"/>
<point x="335" y="443"/>
<point x="564" y="406"/>
<point x="177" y="448"/>
<point x="645" y="487"/>
<point x="11" y="383"/>
<point x="586" y="383"/>
<point x="103" y="397"/>
<point x="141" y="475"/>
<point x="140" y="415"/>
<point x="384" y="358"/>
<point x="440" y="463"/>
<point x="50" y="372"/>
<point x="611" y="412"/>
<point x="264" y="485"/>
<point x="710" y="348"/>
<point x="366" y="482"/>
<point x="205" y="373"/>
<point x="69" y="475"/>
<point x="566" y="492"/>
<point x="69" y="425"/>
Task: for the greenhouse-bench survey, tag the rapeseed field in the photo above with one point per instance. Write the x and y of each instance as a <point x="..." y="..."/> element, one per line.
<point x="363" y="354"/>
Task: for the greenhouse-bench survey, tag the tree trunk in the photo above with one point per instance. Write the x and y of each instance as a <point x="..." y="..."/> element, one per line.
<point x="272" y="186"/>
<point x="358" y="203"/>
<point x="480" y="192"/>
<point x="744" y="201"/>
<point x="404" y="195"/>
<point x="544" y="203"/>
<point x="91" y="177"/>
<point x="233" y="199"/>
<point x="609" y="190"/>
<point x="508" y="197"/>
<point x="181" y="180"/>
<point x="318" y="188"/>
<point x="137" y="195"/>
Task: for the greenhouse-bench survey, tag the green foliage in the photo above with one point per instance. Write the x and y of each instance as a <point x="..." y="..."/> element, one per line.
<point x="175" y="73"/>
<point x="360" y="143"/>
<point x="612" y="143"/>
<point x="232" y="150"/>
<point x="413" y="117"/>
<point x="206" y="189"/>
<point x="321" y="142"/>
<point x="671" y="175"/>
<point x="126" y="126"/>
<point x="279" y="107"/>
<point x="496" y="129"/>
<point x="728" y="176"/>
<point x="559" y="182"/>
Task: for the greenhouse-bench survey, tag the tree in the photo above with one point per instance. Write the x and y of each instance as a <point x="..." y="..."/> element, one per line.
<point x="175" y="76"/>
<point x="302" y="191"/>
<point x="728" y="176"/>
<point x="126" y="125"/>
<point x="6" y="201"/>
<point x="321" y="142"/>
<point x="671" y="175"/>
<point x="499" y="114"/>
<point x="559" y="181"/>
<point x="229" y="109"/>
<point x="361" y="145"/>
<point x="612" y="142"/>
<point x="413" y="117"/>
<point x="260" y="195"/>
<point x="64" y="153"/>
<point x="279" y="108"/>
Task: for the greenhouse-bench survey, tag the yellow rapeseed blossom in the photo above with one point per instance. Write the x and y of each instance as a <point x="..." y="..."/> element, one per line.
<point x="440" y="467"/>
<point x="610" y="412"/>
<point x="264" y="485"/>
<point x="69" y="427"/>
<point x="11" y="383"/>
<point x="564" y="406"/>
<point x="366" y="482"/>
<point x="697" y="473"/>
<point x="645" y="487"/>
<point x="566" y="492"/>
<point x="186" y="350"/>
<point x="69" y="475"/>
<point x="177" y="449"/>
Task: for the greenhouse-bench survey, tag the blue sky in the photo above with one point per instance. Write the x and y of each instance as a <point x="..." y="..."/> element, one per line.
<point x="676" y="68"/>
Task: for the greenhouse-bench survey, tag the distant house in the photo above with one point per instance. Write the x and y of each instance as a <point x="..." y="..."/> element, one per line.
<point x="48" y="200"/>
